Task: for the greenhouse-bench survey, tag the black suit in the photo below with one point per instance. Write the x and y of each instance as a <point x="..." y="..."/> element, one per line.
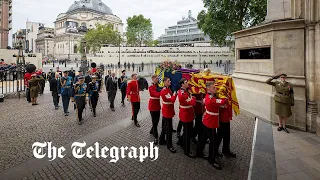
<point x="87" y="79"/>
<point x="112" y="90"/>
<point x="54" y="85"/>
<point x="105" y="80"/>
<point x="123" y="86"/>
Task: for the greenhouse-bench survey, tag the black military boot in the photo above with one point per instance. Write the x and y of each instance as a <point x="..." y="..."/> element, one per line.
<point x="172" y="149"/>
<point x="94" y="113"/>
<point x="229" y="154"/>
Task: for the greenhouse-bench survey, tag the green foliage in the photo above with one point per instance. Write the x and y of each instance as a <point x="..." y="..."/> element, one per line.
<point x="102" y="34"/>
<point x="155" y="42"/>
<point x="223" y="17"/>
<point x="139" y="31"/>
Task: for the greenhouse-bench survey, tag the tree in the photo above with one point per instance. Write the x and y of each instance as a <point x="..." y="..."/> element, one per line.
<point x="155" y="42"/>
<point x="139" y="31"/>
<point x="102" y="34"/>
<point x="223" y="17"/>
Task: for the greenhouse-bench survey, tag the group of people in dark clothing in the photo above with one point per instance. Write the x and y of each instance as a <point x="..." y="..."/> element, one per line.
<point x="75" y="88"/>
<point x="81" y="89"/>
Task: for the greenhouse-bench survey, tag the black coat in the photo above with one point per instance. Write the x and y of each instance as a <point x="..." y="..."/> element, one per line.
<point x="143" y="83"/>
<point x="54" y="84"/>
<point x="87" y="79"/>
<point x="106" y="79"/>
<point x="124" y="86"/>
<point x="111" y="85"/>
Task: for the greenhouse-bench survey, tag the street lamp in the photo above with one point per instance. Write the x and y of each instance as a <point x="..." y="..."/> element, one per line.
<point x="20" y="63"/>
<point x="84" y="64"/>
<point x="119" y="49"/>
<point x="20" y="59"/>
<point x="69" y="49"/>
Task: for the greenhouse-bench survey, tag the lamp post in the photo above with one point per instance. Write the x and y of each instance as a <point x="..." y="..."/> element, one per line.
<point x="69" y="49"/>
<point x="20" y="63"/>
<point x="84" y="64"/>
<point x="119" y="50"/>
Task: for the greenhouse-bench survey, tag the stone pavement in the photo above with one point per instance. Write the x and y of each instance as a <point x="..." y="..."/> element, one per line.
<point x="22" y="124"/>
<point x="297" y="155"/>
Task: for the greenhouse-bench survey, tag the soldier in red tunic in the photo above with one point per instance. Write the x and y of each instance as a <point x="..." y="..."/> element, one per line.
<point x="223" y="132"/>
<point x="134" y="97"/>
<point x="211" y="122"/>
<point x="154" y="106"/>
<point x="198" y="110"/>
<point x="186" y="115"/>
<point x="27" y="78"/>
<point x="167" y="112"/>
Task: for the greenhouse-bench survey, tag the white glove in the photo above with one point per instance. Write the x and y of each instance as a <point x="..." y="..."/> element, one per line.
<point x="168" y="96"/>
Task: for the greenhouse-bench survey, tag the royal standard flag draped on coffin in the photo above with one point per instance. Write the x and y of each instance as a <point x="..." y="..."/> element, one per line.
<point x="198" y="82"/>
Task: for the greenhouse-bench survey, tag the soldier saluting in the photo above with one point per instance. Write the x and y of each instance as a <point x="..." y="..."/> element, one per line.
<point x="79" y="97"/>
<point x="283" y="99"/>
<point x="93" y="88"/>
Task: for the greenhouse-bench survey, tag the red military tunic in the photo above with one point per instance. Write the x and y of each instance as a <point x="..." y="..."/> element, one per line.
<point x="199" y="107"/>
<point x="27" y="77"/>
<point x="211" y="116"/>
<point x="225" y="113"/>
<point x="186" y="112"/>
<point x="133" y="91"/>
<point x="168" y="100"/>
<point x="154" y="101"/>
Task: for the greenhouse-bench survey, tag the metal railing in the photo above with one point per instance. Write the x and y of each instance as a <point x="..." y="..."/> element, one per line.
<point x="11" y="81"/>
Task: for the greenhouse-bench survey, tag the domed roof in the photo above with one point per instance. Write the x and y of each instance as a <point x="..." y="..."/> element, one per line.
<point x="90" y="5"/>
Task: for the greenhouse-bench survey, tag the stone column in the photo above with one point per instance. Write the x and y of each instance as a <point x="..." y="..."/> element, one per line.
<point x="310" y="68"/>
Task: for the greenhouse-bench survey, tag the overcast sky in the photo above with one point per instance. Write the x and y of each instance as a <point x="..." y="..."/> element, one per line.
<point x="163" y="13"/>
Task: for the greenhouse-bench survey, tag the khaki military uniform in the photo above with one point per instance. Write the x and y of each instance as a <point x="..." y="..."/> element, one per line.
<point x="284" y="97"/>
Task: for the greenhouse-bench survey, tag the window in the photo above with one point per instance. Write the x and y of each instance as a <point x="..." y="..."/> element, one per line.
<point x="75" y="49"/>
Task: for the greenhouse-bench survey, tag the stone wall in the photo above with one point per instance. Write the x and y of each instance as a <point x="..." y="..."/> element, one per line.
<point x="138" y="55"/>
<point x="7" y="55"/>
<point x="317" y="71"/>
<point x="287" y="56"/>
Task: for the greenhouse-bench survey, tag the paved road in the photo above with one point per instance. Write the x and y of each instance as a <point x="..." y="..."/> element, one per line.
<point x="22" y="124"/>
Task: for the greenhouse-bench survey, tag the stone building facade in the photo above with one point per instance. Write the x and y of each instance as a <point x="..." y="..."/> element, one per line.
<point x="45" y="43"/>
<point x="71" y="26"/>
<point x="289" y="40"/>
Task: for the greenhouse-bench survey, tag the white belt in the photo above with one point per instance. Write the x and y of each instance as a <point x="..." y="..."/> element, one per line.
<point x="211" y="113"/>
<point x="154" y="98"/>
<point x="167" y="103"/>
<point x="185" y="107"/>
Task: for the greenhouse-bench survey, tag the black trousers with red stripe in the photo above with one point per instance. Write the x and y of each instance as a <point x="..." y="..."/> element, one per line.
<point x="135" y="111"/>
<point x="211" y="134"/>
<point x="155" y="116"/>
<point x="187" y="134"/>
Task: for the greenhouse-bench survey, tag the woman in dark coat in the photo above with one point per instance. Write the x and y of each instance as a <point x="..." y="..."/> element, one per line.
<point x="34" y="88"/>
<point x="284" y="99"/>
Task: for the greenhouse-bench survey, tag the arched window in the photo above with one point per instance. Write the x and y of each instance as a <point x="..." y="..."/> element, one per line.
<point x="83" y="24"/>
<point x="75" y="49"/>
